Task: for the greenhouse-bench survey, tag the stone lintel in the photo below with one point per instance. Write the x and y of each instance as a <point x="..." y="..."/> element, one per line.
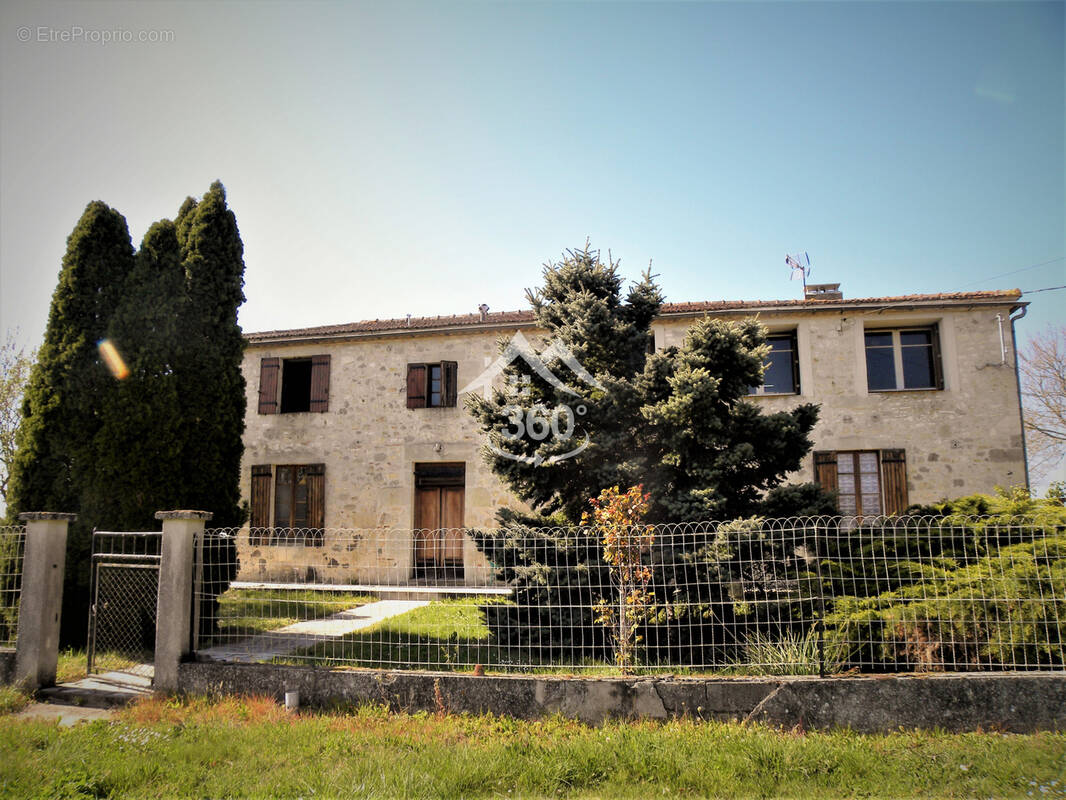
<point x="34" y="516"/>
<point x="165" y="515"/>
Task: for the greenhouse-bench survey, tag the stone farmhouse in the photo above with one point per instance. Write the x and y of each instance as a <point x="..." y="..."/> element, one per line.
<point x="356" y="431"/>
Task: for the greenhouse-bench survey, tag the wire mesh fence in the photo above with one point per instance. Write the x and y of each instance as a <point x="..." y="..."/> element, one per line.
<point x="124" y="591"/>
<point x="796" y="596"/>
<point x="12" y="545"/>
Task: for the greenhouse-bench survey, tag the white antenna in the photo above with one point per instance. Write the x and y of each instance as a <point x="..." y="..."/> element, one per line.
<point x="800" y="264"/>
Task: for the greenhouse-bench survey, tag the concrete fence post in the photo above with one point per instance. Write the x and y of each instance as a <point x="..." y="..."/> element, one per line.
<point x="173" y="629"/>
<point x="43" y="564"/>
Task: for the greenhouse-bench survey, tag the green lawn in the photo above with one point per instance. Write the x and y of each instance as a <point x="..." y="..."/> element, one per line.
<point x="251" y="748"/>
<point x="452" y="635"/>
<point x="445" y="635"/>
<point x="247" y="612"/>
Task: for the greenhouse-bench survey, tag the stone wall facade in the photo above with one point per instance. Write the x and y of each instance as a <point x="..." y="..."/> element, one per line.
<point x="963" y="438"/>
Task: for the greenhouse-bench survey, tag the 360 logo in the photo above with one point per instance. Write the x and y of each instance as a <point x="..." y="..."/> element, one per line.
<point x="538" y="421"/>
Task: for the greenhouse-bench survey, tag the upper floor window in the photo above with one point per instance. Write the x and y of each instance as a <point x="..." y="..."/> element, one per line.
<point x="302" y="383"/>
<point x="432" y="385"/>
<point x="904" y="358"/>
<point x="782" y="366"/>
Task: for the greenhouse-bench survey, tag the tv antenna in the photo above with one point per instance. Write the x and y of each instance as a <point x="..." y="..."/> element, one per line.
<point x="800" y="265"/>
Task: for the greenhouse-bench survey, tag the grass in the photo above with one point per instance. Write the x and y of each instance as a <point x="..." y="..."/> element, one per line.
<point x="71" y="666"/>
<point x="446" y="634"/>
<point x="233" y="747"/>
<point x="12" y="699"/>
<point x="452" y="635"/>
<point x="791" y="654"/>
<point x="247" y="612"/>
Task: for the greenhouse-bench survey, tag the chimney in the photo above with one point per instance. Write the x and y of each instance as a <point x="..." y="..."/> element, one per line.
<point x="823" y="291"/>
<point x="484" y="309"/>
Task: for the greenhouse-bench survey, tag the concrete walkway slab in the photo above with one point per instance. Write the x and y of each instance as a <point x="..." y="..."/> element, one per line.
<point x="308" y="633"/>
<point x="65" y="715"/>
<point x="105" y="690"/>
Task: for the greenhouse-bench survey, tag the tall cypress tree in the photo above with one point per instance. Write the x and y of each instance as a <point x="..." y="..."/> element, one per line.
<point x="138" y="446"/>
<point x="210" y="381"/>
<point x="69" y="391"/>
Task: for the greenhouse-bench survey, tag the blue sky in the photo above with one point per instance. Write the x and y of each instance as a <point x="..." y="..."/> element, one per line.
<point x="394" y="158"/>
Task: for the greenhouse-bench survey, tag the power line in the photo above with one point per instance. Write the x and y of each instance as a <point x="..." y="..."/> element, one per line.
<point x="1048" y="289"/>
<point x="1015" y="272"/>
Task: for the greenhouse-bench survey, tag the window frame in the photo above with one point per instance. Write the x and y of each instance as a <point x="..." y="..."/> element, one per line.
<point x="272" y="384"/>
<point x="420" y="389"/>
<point x="287" y="394"/>
<point x="898" y="370"/>
<point x="891" y="477"/>
<point x="856" y="463"/>
<point x="793" y="339"/>
<point x="265" y="495"/>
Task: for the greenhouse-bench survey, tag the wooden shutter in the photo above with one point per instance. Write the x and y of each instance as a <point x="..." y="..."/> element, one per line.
<point x="260" y="501"/>
<point x="316" y="502"/>
<point x="894" y="480"/>
<point x="416" y="385"/>
<point x="449" y="371"/>
<point x="825" y="469"/>
<point x="269" y="368"/>
<point x="938" y="367"/>
<point x="320" y="384"/>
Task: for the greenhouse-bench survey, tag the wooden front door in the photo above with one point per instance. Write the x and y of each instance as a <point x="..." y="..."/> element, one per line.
<point x="439" y="531"/>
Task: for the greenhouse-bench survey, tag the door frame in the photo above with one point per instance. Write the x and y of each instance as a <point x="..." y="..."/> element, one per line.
<point x="439" y="478"/>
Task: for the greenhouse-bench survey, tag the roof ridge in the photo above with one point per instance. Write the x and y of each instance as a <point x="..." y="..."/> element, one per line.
<point x="494" y="318"/>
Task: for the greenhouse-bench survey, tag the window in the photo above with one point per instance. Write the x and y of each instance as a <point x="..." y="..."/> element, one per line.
<point x="288" y="504"/>
<point x="908" y="358"/>
<point x="432" y="385"/>
<point x="304" y="385"/>
<point x="867" y="482"/>
<point x="782" y="366"/>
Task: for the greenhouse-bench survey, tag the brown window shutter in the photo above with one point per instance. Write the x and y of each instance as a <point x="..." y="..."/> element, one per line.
<point x="938" y="367"/>
<point x="825" y="469"/>
<point x="449" y="371"/>
<point x="894" y="480"/>
<point x="320" y="384"/>
<point x="261" y="482"/>
<point x="316" y="503"/>
<point x="268" y="385"/>
<point x="416" y="385"/>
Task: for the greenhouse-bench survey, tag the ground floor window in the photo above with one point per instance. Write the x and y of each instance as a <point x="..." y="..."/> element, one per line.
<point x="288" y="504"/>
<point x="867" y="482"/>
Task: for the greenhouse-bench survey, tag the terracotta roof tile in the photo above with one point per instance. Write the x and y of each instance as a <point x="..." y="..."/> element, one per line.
<point x="497" y="318"/>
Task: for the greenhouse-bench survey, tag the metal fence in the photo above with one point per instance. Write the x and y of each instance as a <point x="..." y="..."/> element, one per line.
<point x="124" y="586"/>
<point x="795" y="596"/>
<point x="12" y="545"/>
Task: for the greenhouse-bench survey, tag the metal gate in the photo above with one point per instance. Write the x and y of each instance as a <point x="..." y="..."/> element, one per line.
<point x="123" y="592"/>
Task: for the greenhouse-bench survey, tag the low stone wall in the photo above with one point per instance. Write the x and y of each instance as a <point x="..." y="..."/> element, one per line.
<point x="7" y="667"/>
<point x="1014" y="702"/>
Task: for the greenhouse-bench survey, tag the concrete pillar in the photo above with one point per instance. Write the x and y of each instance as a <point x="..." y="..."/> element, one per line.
<point x="173" y="629"/>
<point x="43" y="563"/>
